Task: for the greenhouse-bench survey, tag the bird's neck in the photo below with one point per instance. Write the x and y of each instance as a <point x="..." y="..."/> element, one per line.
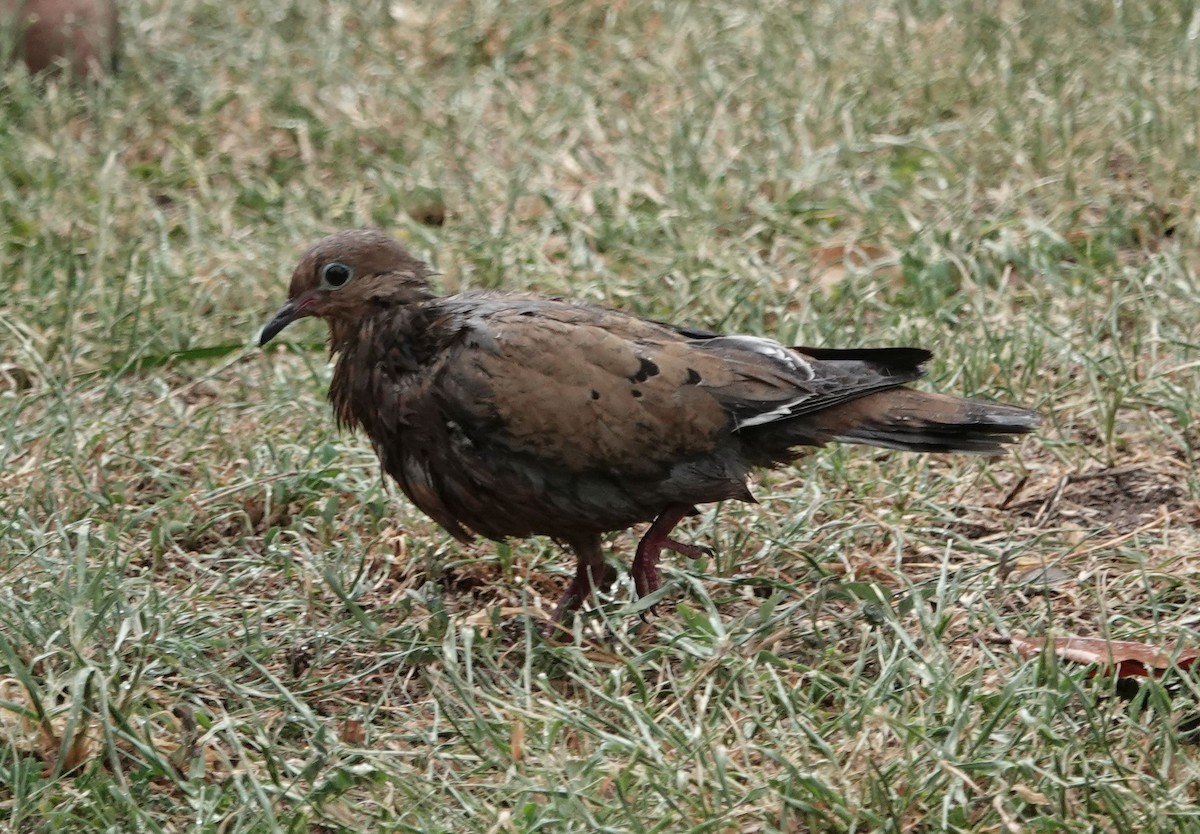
<point x="344" y="336"/>
<point x="349" y="335"/>
<point x="375" y="350"/>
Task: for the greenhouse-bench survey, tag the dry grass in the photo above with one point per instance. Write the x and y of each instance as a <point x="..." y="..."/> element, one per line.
<point x="214" y="617"/>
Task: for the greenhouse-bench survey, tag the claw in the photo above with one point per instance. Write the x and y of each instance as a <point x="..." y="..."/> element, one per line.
<point x="594" y="573"/>
<point x="692" y="551"/>
<point x="646" y="578"/>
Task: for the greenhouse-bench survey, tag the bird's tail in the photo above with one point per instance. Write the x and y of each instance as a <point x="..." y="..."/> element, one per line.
<point x="919" y="421"/>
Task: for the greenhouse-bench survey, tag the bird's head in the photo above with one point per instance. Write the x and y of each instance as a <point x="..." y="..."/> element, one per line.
<point x="347" y="277"/>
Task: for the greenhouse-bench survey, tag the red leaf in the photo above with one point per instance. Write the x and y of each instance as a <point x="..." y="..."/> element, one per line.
<point x="1126" y="657"/>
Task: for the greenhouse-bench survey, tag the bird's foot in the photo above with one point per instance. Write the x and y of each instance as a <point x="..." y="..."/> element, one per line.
<point x="580" y="588"/>
<point x="692" y="551"/>
<point x="644" y="570"/>
<point x="592" y="572"/>
<point x="646" y="577"/>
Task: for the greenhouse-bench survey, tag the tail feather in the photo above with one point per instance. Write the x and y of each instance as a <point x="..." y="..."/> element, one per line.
<point x="919" y="421"/>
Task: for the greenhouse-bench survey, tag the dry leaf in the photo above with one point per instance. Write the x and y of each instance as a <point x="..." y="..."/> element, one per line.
<point x="353" y="731"/>
<point x="1028" y="794"/>
<point x="481" y="620"/>
<point x="831" y="264"/>
<point x="1126" y="657"/>
<point x="530" y="207"/>
<point x="517" y="745"/>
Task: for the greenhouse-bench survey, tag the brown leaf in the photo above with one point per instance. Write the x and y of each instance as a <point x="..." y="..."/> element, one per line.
<point x="1028" y="794"/>
<point x="530" y="207"/>
<point x="82" y="748"/>
<point x="1127" y="658"/>
<point x="353" y="731"/>
<point x="831" y="264"/>
<point x="518" y="740"/>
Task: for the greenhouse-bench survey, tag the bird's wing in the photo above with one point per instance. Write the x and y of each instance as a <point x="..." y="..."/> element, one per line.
<point x="774" y="383"/>
<point x="590" y="389"/>
<point x="582" y="389"/>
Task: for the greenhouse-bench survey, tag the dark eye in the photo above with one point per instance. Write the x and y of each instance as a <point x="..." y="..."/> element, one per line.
<point x="335" y="274"/>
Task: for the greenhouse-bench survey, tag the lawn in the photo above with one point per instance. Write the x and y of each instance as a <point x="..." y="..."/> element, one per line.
<point x="215" y="616"/>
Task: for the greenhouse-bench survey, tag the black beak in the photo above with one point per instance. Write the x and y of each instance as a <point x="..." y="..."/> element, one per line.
<point x="287" y="314"/>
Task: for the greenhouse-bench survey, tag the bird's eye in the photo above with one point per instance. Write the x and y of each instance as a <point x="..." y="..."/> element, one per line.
<point x="335" y="274"/>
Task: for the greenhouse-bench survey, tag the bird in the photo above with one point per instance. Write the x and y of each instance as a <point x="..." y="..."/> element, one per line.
<point x="508" y="414"/>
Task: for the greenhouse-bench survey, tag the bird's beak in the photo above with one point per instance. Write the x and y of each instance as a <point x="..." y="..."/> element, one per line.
<point x="287" y="314"/>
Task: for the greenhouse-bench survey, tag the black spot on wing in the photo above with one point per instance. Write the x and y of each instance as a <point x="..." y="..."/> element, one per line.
<point x="646" y="369"/>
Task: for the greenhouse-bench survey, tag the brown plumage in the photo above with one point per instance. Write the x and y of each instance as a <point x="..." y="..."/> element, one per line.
<point x="507" y="414"/>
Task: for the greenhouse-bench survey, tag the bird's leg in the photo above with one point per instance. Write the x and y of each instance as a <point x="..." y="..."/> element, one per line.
<point x="592" y="573"/>
<point x="645" y="564"/>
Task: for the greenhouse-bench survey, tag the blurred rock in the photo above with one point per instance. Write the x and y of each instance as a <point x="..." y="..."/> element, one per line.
<point x="81" y="36"/>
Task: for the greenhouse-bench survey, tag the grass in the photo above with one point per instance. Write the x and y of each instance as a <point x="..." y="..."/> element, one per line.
<point x="215" y="617"/>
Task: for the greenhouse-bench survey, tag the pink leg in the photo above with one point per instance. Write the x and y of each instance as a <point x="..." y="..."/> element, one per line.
<point x="644" y="570"/>
<point x="591" y="573"/>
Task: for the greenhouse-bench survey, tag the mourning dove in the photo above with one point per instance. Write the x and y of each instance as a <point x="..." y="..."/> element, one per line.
<point x="509" y="415"/>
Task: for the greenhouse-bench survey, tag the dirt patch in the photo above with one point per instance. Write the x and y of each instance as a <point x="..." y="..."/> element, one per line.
<point x="1119" y="498"/>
